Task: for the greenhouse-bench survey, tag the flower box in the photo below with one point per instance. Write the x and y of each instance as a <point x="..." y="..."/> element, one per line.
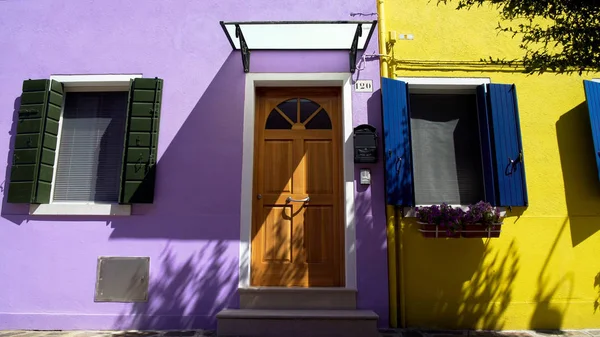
<point x="434" y="231"/>
<point x="481" y="231"/>
<point x="481" y="220"/>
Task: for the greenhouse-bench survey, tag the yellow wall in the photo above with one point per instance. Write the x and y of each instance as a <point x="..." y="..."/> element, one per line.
<point x="544" y="270"/>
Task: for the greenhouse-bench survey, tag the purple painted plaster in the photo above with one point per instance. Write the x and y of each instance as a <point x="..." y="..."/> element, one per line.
<point x="191" y="232"/>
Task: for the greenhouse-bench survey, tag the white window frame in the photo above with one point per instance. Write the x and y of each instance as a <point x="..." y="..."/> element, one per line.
<point x="83" y="83"/>
<point x="448" y="85"/>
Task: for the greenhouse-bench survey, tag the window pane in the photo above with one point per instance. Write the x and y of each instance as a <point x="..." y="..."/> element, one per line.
<point x="307" y="108"/>
<point x="446" y="149"/>
<point x="91" y="147"/>
<point x="276" y="121"/>
<point x="320" y="121"/>
<point x="290" y="109"/>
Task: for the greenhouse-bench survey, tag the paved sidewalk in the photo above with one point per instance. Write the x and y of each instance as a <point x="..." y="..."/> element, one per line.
<point x="186" y="333"/>
<point x="487" y="333"/>
<point x="383" y="333"/>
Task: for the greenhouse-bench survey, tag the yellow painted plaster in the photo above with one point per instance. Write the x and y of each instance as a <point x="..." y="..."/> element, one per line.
<point x="544" y="270"/>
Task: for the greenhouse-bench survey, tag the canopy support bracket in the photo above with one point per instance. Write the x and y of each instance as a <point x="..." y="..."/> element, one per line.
<point x="354" y="47"/>
<point x="243" y="48"/>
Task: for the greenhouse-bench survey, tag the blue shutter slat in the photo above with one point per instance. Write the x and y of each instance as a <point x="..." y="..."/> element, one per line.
<point x="511" y="188"/>
<point x="506" y="145"/>
<point x="397" y="149"/>
<point x="592" y="93"/>
<point x="486" y="146"/>
<point x="519" y="141"/>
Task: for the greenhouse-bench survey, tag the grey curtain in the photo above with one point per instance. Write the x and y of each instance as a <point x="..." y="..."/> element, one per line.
<point x="446" y="149"/>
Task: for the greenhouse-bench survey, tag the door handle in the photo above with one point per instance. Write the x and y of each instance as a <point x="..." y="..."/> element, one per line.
<point x="289" y="199"/>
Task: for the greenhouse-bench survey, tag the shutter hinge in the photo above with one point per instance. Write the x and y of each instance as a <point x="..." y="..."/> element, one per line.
<point x="512" y="164"/>
<point x="518" y="160"/>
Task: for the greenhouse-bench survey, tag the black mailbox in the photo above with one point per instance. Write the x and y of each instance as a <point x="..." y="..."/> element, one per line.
<point x="365" y="144"/>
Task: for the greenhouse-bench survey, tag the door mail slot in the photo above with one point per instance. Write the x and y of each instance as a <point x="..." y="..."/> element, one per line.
<point x="365" y="144"/>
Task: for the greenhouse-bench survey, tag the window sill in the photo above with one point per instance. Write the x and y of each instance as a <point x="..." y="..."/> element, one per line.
<point x="410" y="212"/>
<point x="79" y="209"/>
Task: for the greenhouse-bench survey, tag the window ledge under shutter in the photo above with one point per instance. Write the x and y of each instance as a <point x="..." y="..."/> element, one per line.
<point x="80" y="209"/>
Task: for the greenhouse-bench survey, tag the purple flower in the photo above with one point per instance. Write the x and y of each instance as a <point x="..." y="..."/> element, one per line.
<point x="453" y="219"/>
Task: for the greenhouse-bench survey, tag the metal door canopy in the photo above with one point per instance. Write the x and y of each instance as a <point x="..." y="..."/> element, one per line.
<point x="298" y="35"/>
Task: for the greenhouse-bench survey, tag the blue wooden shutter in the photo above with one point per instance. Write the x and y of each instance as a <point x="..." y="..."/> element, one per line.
<point x="511" y="188"/>
<point x="138" y="175"/>
<point x="397" y="150"/>
<point x="592" y="93"/>
<point x="487" y="151"/>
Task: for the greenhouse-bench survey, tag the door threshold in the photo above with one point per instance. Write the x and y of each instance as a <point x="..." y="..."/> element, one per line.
<point x="283" y="289"/>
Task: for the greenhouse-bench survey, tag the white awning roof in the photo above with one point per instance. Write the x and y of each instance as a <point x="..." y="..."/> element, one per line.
<point x="298" y="35"/>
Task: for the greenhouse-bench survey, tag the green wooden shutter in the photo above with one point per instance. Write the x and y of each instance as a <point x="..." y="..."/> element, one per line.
<point x="35" y="142"/>
<point x="141" y="140"/>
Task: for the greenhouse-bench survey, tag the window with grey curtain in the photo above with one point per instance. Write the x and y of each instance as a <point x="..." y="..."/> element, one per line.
<point x="91" y="147"/>
<point x="446" y="149"/>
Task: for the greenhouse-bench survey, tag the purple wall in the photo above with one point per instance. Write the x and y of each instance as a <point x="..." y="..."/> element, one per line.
<point x="191" y="232"/>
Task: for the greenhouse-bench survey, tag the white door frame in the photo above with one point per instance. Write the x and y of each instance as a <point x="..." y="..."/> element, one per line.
<point x="253" y="80"/>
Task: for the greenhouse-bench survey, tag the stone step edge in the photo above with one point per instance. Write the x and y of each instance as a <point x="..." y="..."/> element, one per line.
<point x="297" y="314"/>
<point x="293" y="290"/>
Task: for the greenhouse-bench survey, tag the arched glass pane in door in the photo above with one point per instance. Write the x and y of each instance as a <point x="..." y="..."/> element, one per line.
<point x="298" y="114"/>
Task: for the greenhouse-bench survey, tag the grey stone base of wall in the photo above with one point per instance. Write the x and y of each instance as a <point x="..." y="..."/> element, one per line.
<point x="382" y="333"/>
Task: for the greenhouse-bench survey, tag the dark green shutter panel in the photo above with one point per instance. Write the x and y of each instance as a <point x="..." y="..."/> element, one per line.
<point x="35" y="142"/>
<point x="141" y="140"/>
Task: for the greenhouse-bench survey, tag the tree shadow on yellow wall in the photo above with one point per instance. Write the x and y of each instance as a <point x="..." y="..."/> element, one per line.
<point x="489" y="292"/>
<point x="462" y="283"/>
<point x="597" y="285"/>
<point x="580" y="175"/>
<point x="548" y="315"/>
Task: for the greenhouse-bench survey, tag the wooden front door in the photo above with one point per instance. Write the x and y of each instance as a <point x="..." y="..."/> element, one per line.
<point x="297" y="230"/>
